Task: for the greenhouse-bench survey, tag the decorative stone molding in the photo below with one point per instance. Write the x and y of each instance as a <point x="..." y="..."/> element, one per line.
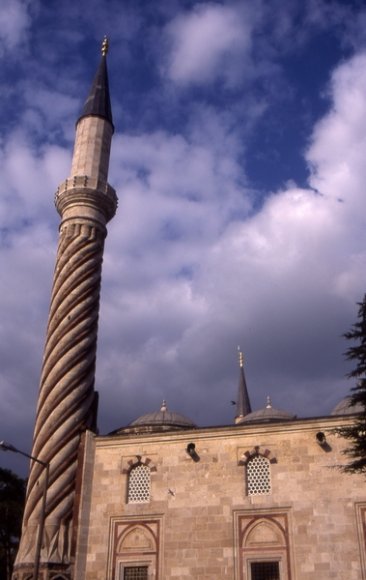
<point x="134" y="541"/>
<point x="129" y="463"/>
<point x="262" y="535"/>
<point x="83" y="191"/>
<point x="248" y="455"/>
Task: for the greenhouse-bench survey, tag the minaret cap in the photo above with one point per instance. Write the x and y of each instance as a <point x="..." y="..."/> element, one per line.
<point x="98" y="103"/>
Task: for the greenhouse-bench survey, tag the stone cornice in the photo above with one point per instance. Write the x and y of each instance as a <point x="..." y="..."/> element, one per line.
<point x="225" y="431"/>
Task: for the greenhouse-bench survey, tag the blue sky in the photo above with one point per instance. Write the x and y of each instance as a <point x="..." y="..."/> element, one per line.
<point x="239" y="162"/>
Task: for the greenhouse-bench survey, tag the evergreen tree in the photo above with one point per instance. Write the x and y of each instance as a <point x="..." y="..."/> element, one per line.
<point x="12" y="496"/>
<point x="356" y="433"/>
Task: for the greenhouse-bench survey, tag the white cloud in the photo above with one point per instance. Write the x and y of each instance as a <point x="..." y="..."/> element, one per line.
<point x="28" y="177"/>
<point x="206" y="41"/>
<point x="51" y="108"/>
<point x="338" y="146"/>
<point x="14" y="23"/>
<point x="175" y="189"/>
<point x="28" y="236"/>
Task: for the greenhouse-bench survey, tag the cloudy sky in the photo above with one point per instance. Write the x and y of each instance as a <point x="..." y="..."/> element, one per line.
<point x="239" y="162"/>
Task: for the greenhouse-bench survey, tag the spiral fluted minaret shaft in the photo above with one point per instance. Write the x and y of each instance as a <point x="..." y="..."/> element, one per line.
<point x="67" y="400"/>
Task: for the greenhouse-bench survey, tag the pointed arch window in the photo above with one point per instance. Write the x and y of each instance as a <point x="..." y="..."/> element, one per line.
<point x="139" y="484"/>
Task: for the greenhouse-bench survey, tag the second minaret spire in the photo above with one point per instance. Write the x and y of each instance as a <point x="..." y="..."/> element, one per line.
<point x="243" y="406"/>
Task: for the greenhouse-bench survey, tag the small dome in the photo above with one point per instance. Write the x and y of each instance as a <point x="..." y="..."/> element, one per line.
<point x="344" y="407"/>
<point x="267" y="414"/>
<point x="162" y="420"/>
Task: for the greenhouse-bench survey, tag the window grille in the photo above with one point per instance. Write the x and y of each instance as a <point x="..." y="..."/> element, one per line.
<point x="135" y="573"/>
<point x="139" y="484"/>
<point x="265" y="571"/>
<point x="258" y="476"/>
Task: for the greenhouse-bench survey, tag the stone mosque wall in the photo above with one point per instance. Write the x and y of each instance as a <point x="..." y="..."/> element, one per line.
<point x="246" y="502"/>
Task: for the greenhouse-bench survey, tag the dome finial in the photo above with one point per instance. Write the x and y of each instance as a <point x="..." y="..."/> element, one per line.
<point x="105" y="46"/>
<point x="269" y="403"/>
<point x="241" y="357"/>
<point x="163" y="407"/>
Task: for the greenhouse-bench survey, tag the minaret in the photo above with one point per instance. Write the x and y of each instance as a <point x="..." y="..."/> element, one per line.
<point x="67" y="401"/>
<point x="243" y="403"/>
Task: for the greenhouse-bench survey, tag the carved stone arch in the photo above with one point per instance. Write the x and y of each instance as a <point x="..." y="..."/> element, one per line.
<point x="136" y="537"/>
<point x="137" y="460"/>
<point x="263" y="538"/>
<point x="264" y="532"/>
<point x="135" y="543"/>
<point x="255" y="452"/>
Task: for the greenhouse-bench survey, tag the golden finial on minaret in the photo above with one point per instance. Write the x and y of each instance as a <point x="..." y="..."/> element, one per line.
<point x="105" y="46"/>
<point x="241" y="358"/>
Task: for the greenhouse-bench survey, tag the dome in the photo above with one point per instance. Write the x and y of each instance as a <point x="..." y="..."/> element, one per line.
<point x="345" y="408"/>
<point x="267" y="414"/>
<point x="162" y="420"/>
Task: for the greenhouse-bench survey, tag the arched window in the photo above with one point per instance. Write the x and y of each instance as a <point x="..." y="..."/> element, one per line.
<point x="258" y="475"/>
<point x="139" y="484"/>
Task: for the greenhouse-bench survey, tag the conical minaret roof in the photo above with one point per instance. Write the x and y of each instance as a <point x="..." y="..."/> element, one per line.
<point x="98" y="103"/>
<point x="243" y="406"/>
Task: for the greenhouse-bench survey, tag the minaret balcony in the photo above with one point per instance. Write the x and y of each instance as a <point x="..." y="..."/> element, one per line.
<point x="82" y="190"/>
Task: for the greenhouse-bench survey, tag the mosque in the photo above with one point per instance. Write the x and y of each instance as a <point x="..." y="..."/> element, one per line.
<point x="161" y="498"/>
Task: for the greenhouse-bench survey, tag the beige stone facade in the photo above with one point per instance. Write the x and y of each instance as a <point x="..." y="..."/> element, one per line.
<point x="201" y="521"/>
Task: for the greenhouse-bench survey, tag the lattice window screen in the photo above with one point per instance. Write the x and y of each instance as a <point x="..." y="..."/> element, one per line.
<point x="258" y="476"/>
<point x="135" y="573"/>
<point x="139" y="485"/>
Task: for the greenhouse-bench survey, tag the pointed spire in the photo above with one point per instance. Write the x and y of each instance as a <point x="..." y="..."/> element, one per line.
<point x="98" y="103"/>
<point x="243" y="406"/>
